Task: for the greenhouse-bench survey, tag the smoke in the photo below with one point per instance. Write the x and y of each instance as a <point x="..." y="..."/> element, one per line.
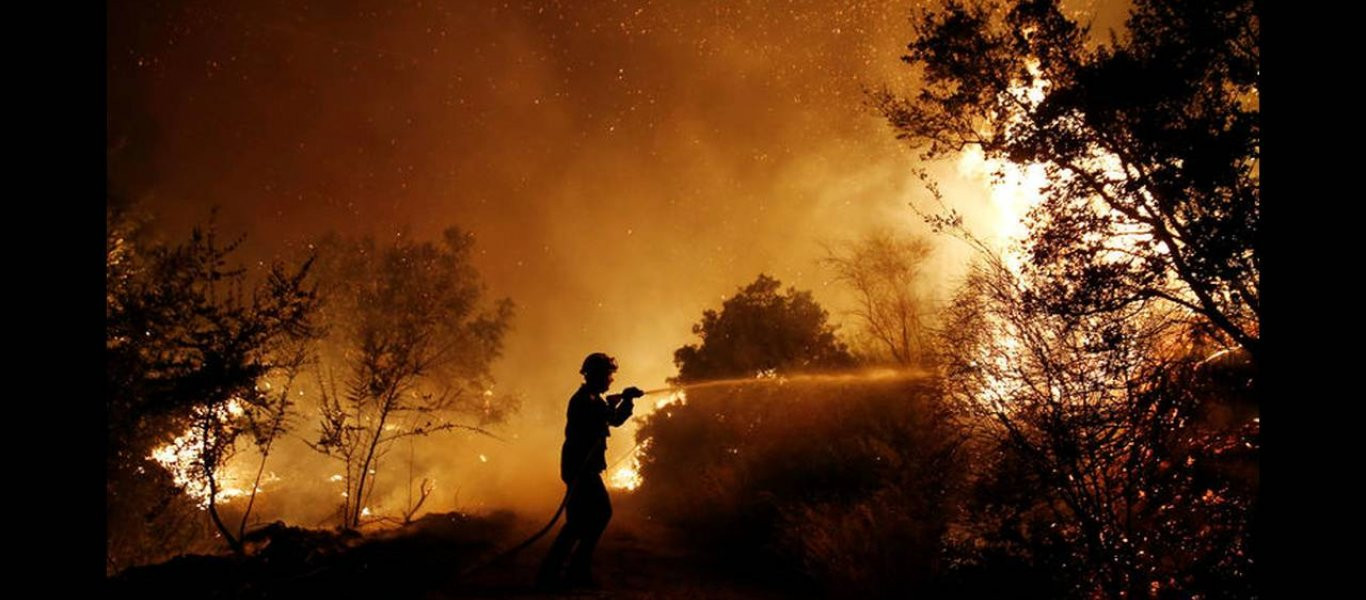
<point x="623" y="166"/>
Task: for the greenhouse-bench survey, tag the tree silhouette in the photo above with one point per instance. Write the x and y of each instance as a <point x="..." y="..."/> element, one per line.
<point x="761" y="330"/>
<point x="1150" y="144"/>
<point x="413" y="346"/>
<point x="187" y="342"/>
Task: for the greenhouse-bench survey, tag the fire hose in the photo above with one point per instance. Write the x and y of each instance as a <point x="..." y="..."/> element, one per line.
<point x="564" y="502"/>
<point x="583" y="467"/>
<point x="507" y="554"/>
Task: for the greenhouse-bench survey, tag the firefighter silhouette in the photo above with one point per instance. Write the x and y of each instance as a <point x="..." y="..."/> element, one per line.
<point x="582" y="461"/>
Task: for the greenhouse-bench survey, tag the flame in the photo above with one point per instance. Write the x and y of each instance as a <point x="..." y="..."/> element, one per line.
<point x="180" y="457"/>
<point x="1014" y="190"/>
<point x="627" y="476"/>
<point x="678" y="397"/>
<point x="1013" y="194"/>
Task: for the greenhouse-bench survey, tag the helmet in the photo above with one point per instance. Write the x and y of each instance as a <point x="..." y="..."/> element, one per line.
<point x="598" y="362"/>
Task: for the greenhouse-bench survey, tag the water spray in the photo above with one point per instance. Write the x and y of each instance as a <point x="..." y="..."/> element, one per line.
<point x="774" y="379"/>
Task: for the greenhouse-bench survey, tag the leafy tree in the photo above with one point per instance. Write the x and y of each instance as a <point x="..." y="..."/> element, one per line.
<point x="412" y="345"/>
<point x="187" y="342"/>
<point x="1150" y="144"/>
<point x="884" y="272"/>
<point x="761" y="330"/>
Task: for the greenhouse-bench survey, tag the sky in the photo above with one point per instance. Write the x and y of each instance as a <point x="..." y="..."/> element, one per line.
<point x="623" y="165"/>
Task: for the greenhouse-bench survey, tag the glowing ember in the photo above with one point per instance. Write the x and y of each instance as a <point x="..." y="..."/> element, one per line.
<point x="483" y="458"/>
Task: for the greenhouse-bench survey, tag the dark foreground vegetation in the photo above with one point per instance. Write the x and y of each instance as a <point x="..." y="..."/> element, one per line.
<point x="293" y="562"/>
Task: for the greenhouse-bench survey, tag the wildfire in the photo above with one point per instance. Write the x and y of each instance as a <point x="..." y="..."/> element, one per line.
<point x="1014" y="190"/>
<point x="678" y="397"/>
<point x="627" y="476"/>
<point x="181" y="458"/>
<point x="1013" y="194"/>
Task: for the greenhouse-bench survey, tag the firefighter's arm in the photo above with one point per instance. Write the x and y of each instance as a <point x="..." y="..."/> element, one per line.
<point x="620" y="406"/>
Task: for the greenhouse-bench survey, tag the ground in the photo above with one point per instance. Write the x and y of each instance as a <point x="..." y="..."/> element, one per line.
<point x="634" y="560"/>
<point x="425" y="561"/>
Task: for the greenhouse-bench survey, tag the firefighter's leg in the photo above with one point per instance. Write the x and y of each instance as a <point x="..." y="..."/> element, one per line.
<point x="597" y="511"/>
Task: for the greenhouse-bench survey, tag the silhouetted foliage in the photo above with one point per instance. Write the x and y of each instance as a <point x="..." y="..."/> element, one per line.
<point x="1091" y="448"/>
<point x="269" y="416"/>
<point x="185" y="339"/>
<point x="760" y="330"/>
<point x="411" y="349"/>
<point x="408" y="562"/>
<point x="1150" y="145"/>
